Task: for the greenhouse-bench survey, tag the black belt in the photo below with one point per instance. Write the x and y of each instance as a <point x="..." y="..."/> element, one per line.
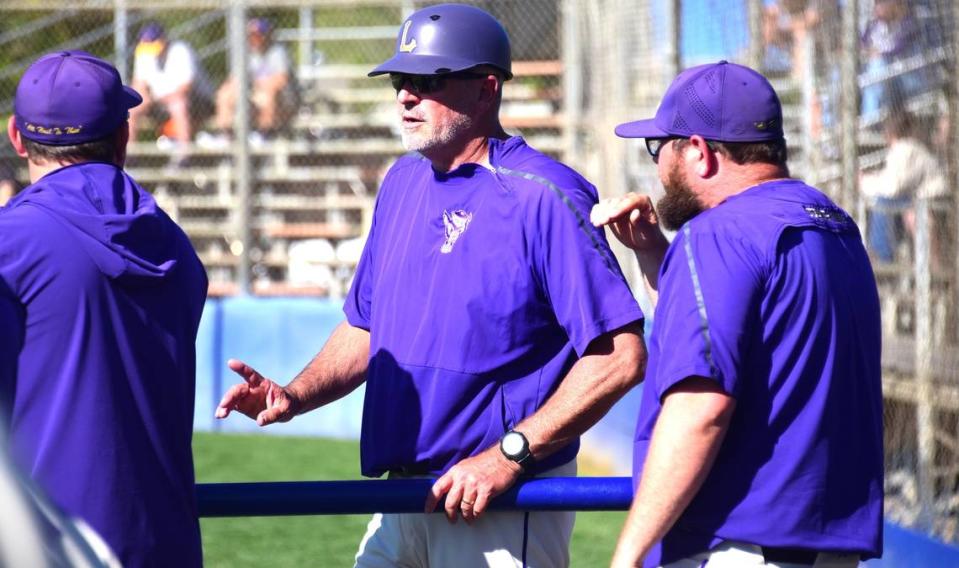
<point x="777" y="554"/>
<point x="410" y="471"/>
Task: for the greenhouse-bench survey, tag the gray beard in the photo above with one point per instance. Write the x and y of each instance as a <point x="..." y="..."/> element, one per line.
<point x="424" y="142"/>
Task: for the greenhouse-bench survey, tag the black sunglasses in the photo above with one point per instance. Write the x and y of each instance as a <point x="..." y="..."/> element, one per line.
<point x="655" y="145"/>
<point x="426" y="84"/>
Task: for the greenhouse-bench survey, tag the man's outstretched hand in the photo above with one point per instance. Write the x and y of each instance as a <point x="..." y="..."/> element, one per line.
<point x="257" y="397"/>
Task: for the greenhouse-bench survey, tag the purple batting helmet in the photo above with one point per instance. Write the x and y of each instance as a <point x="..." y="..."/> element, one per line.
<point x="447" y="38"/>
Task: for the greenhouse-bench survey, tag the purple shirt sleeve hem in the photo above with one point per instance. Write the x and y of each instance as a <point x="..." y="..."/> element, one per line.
<point x="679" y="375"/>
<point x="605" y="326"/>
<point x="355" y="319"/>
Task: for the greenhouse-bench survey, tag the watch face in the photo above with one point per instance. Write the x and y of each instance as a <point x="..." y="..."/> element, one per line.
<point x="513" y="444"/>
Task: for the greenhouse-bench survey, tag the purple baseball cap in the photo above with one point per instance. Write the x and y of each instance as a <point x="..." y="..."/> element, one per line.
<point x="71" y="97"/>
<point x="725" y="102"/>
<point x="152" y="31"/>
<point x="447" y="38"/>
<point x="261" y="26"/>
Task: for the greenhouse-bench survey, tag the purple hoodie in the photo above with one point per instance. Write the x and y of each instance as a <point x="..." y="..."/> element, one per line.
<point x="100" y="299"/>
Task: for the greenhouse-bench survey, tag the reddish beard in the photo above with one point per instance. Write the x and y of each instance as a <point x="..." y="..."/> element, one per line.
<point x="679" y="204"/>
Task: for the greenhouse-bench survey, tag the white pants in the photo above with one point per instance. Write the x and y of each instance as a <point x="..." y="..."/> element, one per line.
<point x="513" y="539"/>
<point x="731" y="554"/>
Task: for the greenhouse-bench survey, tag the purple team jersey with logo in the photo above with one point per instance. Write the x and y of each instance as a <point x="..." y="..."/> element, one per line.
<point x="100" y="299"/>
<point x="771" y="295"/>
<point x="480" y="289"/>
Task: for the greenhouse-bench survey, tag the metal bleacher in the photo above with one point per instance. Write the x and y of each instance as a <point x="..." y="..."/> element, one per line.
<point x="313" y="185"/>
<point x="319" y="178"/>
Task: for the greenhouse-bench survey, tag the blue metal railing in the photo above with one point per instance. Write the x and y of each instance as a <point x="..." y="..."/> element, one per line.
<point x="903" y="547"/>
<point x="287" y="498"/>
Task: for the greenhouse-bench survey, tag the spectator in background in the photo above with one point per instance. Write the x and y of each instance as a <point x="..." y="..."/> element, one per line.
<point x="778" y="23"/>
<point x="168" y="75"/>
<point x="892" y="35"/>
<point x="801" y="37"/>
<point x="100" y="302"/>
<point x="911" y="172"/>
<point x="274" y="95"/>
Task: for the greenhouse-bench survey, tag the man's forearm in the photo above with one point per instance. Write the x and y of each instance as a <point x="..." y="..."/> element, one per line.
<point x="686" y="439"/>
<point x="613" y="364"/>
<point x="336" y="370"/>
<point x="650" y="261"/>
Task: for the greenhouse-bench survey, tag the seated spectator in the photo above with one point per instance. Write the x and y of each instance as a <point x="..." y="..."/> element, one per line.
<point x="778" y="25"/>
<point x="801" y="37"/>
<point x="892" y="35"/>
<point x="274" y="97"/>
<point x="168" y="76"/>
<point x="911" y="172"/>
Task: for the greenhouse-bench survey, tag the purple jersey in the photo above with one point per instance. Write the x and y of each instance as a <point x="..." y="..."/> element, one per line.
<point x="771" y="295"/>
<point x="100" y="299"/>
<point x="480" y="288"/>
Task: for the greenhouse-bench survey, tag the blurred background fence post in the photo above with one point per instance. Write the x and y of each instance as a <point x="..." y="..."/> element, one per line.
<point x="241" y="143"/>
<point x="121" y="35"/>
<point x="850" y="105"/>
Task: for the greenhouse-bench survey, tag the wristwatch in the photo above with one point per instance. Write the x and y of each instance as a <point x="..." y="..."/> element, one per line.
<point x="515" y="447"/>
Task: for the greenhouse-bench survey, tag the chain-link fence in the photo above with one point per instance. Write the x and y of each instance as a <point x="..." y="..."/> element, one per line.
<point x="274" y="180"/>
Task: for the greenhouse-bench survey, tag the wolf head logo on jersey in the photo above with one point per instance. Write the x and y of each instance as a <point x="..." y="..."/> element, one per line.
<point x="455" y="223"/>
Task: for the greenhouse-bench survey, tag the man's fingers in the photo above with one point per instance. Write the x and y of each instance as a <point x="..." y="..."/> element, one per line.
<point x="439" y="489"/>
<point x="230" y="399"/>
<point x="277" y="406"/>
<point x="269" y="416"/>
<point x="479" y="507"/>
<point x="614" y="209"/>
<point x="599" y="214"/>
<point x="453" y="499"/>
<point x="271" y="394"/>
<point x="248" y="373"/>
<point x="468" y="506"/>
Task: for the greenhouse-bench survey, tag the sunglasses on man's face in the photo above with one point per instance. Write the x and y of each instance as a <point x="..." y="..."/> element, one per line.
<point x="426" y="84"/>
<point x="655" y="145"/>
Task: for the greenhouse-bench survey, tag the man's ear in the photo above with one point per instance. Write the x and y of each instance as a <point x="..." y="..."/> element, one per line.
<point x="707" y="163"/>
<point x="13" y="133"/>
<point x="490" y="89"/>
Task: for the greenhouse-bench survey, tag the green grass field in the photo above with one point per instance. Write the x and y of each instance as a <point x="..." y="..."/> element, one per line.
<point x="322" y="541"/>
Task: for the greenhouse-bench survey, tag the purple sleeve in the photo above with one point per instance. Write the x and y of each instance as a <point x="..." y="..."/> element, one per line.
<point x="12" y="329"/>
<point x="576" y="269"/>
<point x="710" y="291"/>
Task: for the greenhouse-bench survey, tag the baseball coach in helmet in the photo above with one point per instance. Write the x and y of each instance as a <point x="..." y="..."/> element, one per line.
<point x="488" y="318"/>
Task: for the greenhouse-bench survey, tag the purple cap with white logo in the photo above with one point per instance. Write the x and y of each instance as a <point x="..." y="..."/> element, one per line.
<point x="721" y="101"/>
<point x="447" y="38"/>
<point x="71" y="97"/>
